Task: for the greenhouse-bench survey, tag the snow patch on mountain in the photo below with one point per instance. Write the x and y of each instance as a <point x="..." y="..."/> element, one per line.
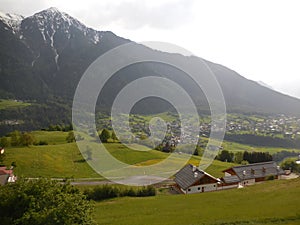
<point x="13" y="21"/>
<point x="53" y="19"/>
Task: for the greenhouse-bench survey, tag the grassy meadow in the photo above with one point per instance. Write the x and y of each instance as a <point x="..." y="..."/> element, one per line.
<point x="60" y="159"/>
<point x="272" y="202"/>
<point x="235" y="147"/>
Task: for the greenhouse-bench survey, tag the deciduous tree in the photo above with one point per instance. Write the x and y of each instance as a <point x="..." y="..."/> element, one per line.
<point x="43" y="202"/>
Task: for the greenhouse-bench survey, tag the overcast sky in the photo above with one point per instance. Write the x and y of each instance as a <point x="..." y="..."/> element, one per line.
<point x="260" y="39"/>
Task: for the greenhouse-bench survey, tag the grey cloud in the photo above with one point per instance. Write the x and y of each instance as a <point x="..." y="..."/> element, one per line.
<point x="132" y="14"/>
<point x="137" y="14"/>
<point x="24" y="7"/>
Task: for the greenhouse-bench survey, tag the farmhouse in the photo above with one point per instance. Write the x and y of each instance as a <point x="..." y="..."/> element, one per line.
<point x="249" y="174"/>
<point x="192" y="180"/>
<point x="6" y="176"/>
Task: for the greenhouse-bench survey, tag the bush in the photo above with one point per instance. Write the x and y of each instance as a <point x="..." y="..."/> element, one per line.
<point x="146" y="191"/>
<point x="271" y="177"/>
<point x="41" y="143"/>
<point x="290" y="164"/>
<point x="104" y="135"/>
<point x="225" y="156"/>
<point x="4" y="142"/>
<point x="71" y="137"/>
<point x="99" y="193"/>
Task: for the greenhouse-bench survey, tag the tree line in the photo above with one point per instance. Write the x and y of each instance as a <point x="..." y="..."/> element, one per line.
<point x="17" y="138"/>
<point x="244" y="157"/>
<point x="99" y="193"/>
<point x="263" y="140"/>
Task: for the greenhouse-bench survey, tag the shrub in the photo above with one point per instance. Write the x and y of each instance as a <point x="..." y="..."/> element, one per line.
<point x="99" y="193"/>
<point x="271" y="177"/>
<point x="146" y="191"/>
<point x="41" y="143"/>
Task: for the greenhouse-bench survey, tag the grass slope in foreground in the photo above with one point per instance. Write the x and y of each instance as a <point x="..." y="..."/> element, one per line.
<point x="273" y="202"/>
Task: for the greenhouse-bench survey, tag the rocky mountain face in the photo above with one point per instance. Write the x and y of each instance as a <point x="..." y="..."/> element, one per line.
<point x="46" y="54"/>
<point x="42" y="58"/>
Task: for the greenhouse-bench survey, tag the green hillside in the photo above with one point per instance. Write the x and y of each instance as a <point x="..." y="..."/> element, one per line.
<point x="269" y="203"/>
<point x="60" y="159"/>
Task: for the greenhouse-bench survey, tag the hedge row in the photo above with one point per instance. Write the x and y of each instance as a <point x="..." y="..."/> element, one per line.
<point x="99" y="193"/>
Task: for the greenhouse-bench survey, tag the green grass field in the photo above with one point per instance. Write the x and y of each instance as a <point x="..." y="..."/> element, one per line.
<point x="234" y="147"/>
<point x="272" y="202"/>
<point x="65" y="160"/>
<point x="60" y="159"/>
<point x="6" y="104"/>
<point x="51" y="137"/>
<point x="57" y="161"/>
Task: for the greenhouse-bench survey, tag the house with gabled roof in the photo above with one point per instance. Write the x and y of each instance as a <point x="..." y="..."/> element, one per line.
<point x="6" y="176"/>
<point x="190" y="180"/>
<point x="249" y="174"/>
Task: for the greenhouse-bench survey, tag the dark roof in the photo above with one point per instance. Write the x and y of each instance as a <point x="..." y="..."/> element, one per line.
<point x="257" y="170"/>
<point x="186" y="176"/>
<point x="231" y="179"/>
<point x="189" y="175"/>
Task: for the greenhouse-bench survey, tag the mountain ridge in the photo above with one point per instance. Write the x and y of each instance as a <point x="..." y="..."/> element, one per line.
<point x="43" y="58"/>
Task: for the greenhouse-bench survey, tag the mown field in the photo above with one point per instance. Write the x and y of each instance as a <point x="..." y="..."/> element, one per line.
<point x="59" y="159"/>
<point x="235" y="147"/>
<point x="272" y="202"/>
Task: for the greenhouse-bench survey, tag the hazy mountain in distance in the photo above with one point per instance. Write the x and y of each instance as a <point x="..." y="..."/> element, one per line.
<point x="265" y="84"/>
<point x="43" y="57"/>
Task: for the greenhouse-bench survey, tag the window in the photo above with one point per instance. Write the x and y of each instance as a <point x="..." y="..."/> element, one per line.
<point x="198" y="188"/>
<point x="189" y="189"/>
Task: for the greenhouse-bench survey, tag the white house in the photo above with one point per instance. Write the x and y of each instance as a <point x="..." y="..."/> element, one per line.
<point x="6" y="176"/>
<point x="192" y="180"/>
<point x="250" y="174"/>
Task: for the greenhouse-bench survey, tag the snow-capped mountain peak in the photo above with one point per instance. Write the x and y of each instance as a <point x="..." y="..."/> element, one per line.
<point x="52" y="19"/>
<point x="11" y="20"/>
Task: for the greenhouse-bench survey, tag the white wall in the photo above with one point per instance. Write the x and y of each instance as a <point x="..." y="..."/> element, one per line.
<point x="227" y="187"/>
<point x="198" y="188"/>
